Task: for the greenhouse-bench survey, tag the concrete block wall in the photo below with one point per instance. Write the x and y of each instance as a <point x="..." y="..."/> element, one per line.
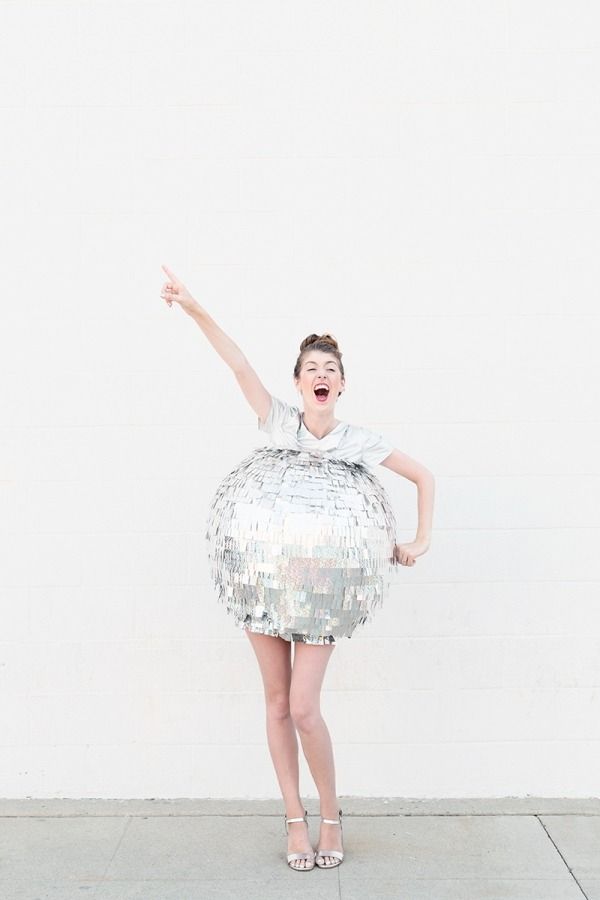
<point x="422" y="181"/>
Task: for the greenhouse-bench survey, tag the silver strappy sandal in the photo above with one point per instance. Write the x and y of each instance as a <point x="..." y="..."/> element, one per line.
<point x="319" y="861"/>
<point x="292" y="856"/>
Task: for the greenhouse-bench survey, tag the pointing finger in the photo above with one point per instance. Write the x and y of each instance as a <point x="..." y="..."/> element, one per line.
<point x="171" y="275"/>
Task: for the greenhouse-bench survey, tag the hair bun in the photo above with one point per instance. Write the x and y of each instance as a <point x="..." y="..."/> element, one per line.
<point x="321" y="338"/>
<point x="308" y="341"/>
<point x="329" y="339"/>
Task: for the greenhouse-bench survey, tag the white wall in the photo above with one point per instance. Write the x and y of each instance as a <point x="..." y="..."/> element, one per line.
<point x="421" y="179"/>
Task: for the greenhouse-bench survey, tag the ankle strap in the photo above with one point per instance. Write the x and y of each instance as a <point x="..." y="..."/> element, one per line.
<point x="333" y="821"/>
<point x="298" y="818"/>
<point x="330" y="821"/>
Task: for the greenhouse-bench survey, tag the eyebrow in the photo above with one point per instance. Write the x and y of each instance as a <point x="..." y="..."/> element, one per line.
<point x="330" y="362"/>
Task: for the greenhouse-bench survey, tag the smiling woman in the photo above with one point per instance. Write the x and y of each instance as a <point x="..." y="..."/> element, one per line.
<point x="301" y="544"/>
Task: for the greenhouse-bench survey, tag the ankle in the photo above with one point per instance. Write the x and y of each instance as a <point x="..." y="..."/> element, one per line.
<point x="295" y="813"/>
<point x="330" y="812"/>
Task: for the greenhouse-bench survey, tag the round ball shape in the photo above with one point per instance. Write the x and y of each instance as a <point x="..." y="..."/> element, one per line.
<point x="300" y="545"/>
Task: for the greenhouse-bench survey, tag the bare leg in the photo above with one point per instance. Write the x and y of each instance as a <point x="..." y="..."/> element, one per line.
<point x="310" y="663"/>
<point x="274" y="659"/>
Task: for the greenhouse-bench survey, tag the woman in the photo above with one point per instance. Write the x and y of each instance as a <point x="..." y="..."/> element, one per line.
<point x="303" y="592"/>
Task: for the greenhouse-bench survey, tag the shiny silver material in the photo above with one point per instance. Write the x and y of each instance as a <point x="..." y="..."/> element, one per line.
<point x="300" y="544"/>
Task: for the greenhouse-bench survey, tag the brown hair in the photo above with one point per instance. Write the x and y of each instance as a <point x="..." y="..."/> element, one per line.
<point x="324" y="342"/>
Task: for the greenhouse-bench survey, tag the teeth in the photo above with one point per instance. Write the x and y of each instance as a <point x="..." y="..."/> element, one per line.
<point x="322" y="386"/>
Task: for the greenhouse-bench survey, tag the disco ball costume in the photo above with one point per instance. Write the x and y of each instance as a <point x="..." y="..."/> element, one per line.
<point x="300" y="535"/>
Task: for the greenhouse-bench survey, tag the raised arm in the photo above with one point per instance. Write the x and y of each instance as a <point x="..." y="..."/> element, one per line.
<point x="252" y="387"/>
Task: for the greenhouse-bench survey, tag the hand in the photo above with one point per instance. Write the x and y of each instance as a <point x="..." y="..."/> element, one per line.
<point x="174" y="289"/>
<point x="406" y="554"/>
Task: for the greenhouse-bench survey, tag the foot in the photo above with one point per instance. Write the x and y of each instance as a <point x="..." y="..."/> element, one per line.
<point x="298" y="842"/>
<point x="330" y="838"/>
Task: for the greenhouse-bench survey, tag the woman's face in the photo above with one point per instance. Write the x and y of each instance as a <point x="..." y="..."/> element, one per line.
<point x="319" y="369"/>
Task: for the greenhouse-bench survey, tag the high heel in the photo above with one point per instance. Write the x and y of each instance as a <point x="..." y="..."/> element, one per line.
<point x="293" y="856"/>
<point x="338" y="854"/>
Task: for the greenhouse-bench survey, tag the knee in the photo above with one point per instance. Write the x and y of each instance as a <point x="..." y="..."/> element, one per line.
<point x="278" y="705"/>
<point x="306" y="716"/>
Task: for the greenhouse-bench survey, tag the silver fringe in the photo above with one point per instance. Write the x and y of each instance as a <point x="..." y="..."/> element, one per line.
<point x="300" y="545"/>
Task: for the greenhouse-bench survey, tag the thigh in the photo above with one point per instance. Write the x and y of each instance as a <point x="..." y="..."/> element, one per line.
<point x="274" y="656"/>
<point x="308" y="672"/>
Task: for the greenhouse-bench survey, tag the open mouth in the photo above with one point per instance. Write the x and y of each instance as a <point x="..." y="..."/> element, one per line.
<point x="321" y="393"/>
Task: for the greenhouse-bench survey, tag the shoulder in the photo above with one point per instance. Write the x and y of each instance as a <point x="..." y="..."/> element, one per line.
<point x="280" y="415"/>
<point x="374" y="447"/>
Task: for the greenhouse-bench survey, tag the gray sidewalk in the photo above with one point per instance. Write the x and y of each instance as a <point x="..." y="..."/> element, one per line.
<point x="522" y="849"/>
